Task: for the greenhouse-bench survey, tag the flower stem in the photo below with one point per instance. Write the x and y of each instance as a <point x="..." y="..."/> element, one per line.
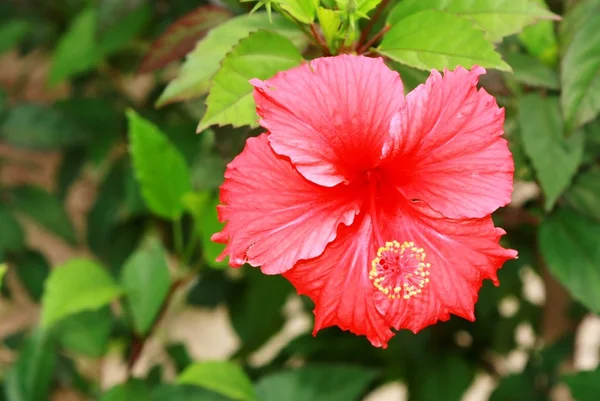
<point x="374" y="40"/>
<point x="365" y="33"/>
<point x="320" y="40"/>
<point x="178" y="237"/>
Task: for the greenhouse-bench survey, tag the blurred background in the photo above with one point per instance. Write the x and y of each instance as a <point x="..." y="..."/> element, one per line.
<point x="142" y="311"/>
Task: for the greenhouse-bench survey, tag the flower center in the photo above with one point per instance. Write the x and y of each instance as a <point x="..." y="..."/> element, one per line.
<point x="399" y="270"/>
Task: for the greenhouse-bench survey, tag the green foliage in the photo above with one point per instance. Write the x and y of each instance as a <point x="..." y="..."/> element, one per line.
<point x="145" y="280"/>
<point x="223" y="378"/>
<point x="316" y="383"/>
<point x="142" y="191"/>
<point x="434" y="39"/>
<point x="260" y="55"/>
<point x="566" y="240"/>
<point x="159" y="168"/>
<point x="76" y="286"/>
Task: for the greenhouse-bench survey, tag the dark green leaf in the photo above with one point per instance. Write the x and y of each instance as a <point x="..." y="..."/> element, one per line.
<point x="30" y="376"/>
<point x="45" y="209"/>
<point x="554" y="158"/>
<point x="515" y="388"/>
<point x="70" y="168"/>
<point x="40" y="127"/>
<point x="530" y="71"/>
<point x="111" y="12"/>
<point x="133" y="390"/>
<point x="569" y="245"/>
<point x="173" y="392"/>
<point x="448" y="379"/>
<point x="12" y="236"/>
<point x="209" y="224"/>
<point x="74" y="287"/>
<point x="316" y="383"/>
<point x="211" y="290"/>
<point x="179" y="355"/>
<point x="146" y="281"/>
<point x="580" y="75"/>
<point x="11" y="33"/>
<point x="434" y="39"/>
<point x="86" y="333"/>
<point x="584" y="386"/>
<point x="160" y="169"/>
<point x="584" y="194"/>
<point x="223" y="378"/>
<point x="32" y="269"/>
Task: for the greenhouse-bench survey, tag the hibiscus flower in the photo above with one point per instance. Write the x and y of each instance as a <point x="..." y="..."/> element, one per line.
<point x="375" y="205"/>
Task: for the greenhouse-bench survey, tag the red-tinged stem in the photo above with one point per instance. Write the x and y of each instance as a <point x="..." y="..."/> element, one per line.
<point x="365" y="33"/>
<point x="373" y="40"/>
<point x="320" y="40"/>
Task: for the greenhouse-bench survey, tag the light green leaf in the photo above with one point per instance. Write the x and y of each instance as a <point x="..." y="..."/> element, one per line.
<point x="435" y="39"/>
<point x="44" y="208"/>
<point x="302" y="10"/>
<point x="3" y="269"/>
<point x="580" y="75"/>
<point x="330" y="22"/>
<point x="30" y="377"/>
<point x="554" y="158"/>
<point x="11" y="33"/>
<point x="261" y="55"/>
<point x="316" y="383"/>
<point x="540" y="40"/>
<point x="209" y="224"/>
<point x="12" y="236"/>
<point x="196" y="204"/>
<point x="40" y="127"/>
<point x="498" y="18"/>
<point x="146" y="281"/>
<point x="204" y="61"/>
<point x="569" y="245"/>
<point x="160" y="169"/>
<point x="223" y="378"/>
<point x="76" y="286"/>
<point x="584" y="386"/>
<point x="530" y="71"/>
<point x="86" y="333"/>
<point x="584" y="194"/>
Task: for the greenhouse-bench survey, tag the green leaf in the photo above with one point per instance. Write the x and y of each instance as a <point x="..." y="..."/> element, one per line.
<point x="146" y="281"/>
<point x="40" y="127"/>
<point x="86" y="333"/>
<point x="330" y="21"/>
<point x="302" y="10"/>
<point x="569" y="245"/>
<point x="554" y="158"/>
<point x="44" y="208"/>
<point x="70" y="169"/>
<point x="255" y="310"/>
<point x="584" y="194"/>
<point x="498" y="18"/>
<point x="122" y="32"/>
<point x="76" y="286"/>
<point x="434" y="39"/>
<point x="194" y="79"/>
<point x="261" y="55"/>
<point x="77" y="50"/>
<point x="3" y="269"/>
<point x="575" y="19"/>
<point x="170" y="392"/>
<point x="209" y="224"/>
<point x="12" y="236"/>
<point x="516" y="388"/>
<point x="316" y="383"/>
<point x="197" y="204"/>
<point x="540" y="40"/>
<point x="584" y="386"/>
<point x="30" y="376"/>
<point x="32" y="269"/>
<point x="11" y="33"/>
<point x="182" y="35"/>
<point x="111" y="12"/>
<point x="160" y="169"/>
<point x="580" y="75"/>
<point x="448" y="380"/>
<point x="223" y="378"/>
<point x="530" y="71"/>
<point x="132" y="390"/>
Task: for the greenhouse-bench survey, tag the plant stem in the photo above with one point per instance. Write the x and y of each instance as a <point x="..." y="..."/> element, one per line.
<point x="365" y="33"/>
<point x="178" y="237"/>
<point x="373" y="40"/>
<point x="320" y="40"/>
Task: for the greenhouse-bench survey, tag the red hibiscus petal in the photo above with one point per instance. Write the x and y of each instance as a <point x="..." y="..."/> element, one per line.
<point x="330" y="117"/>
<point x="460" y="253"/>
<point x="338" y="283"/>
<point x="446" y="148"/>
<point x="276" y="217"/>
